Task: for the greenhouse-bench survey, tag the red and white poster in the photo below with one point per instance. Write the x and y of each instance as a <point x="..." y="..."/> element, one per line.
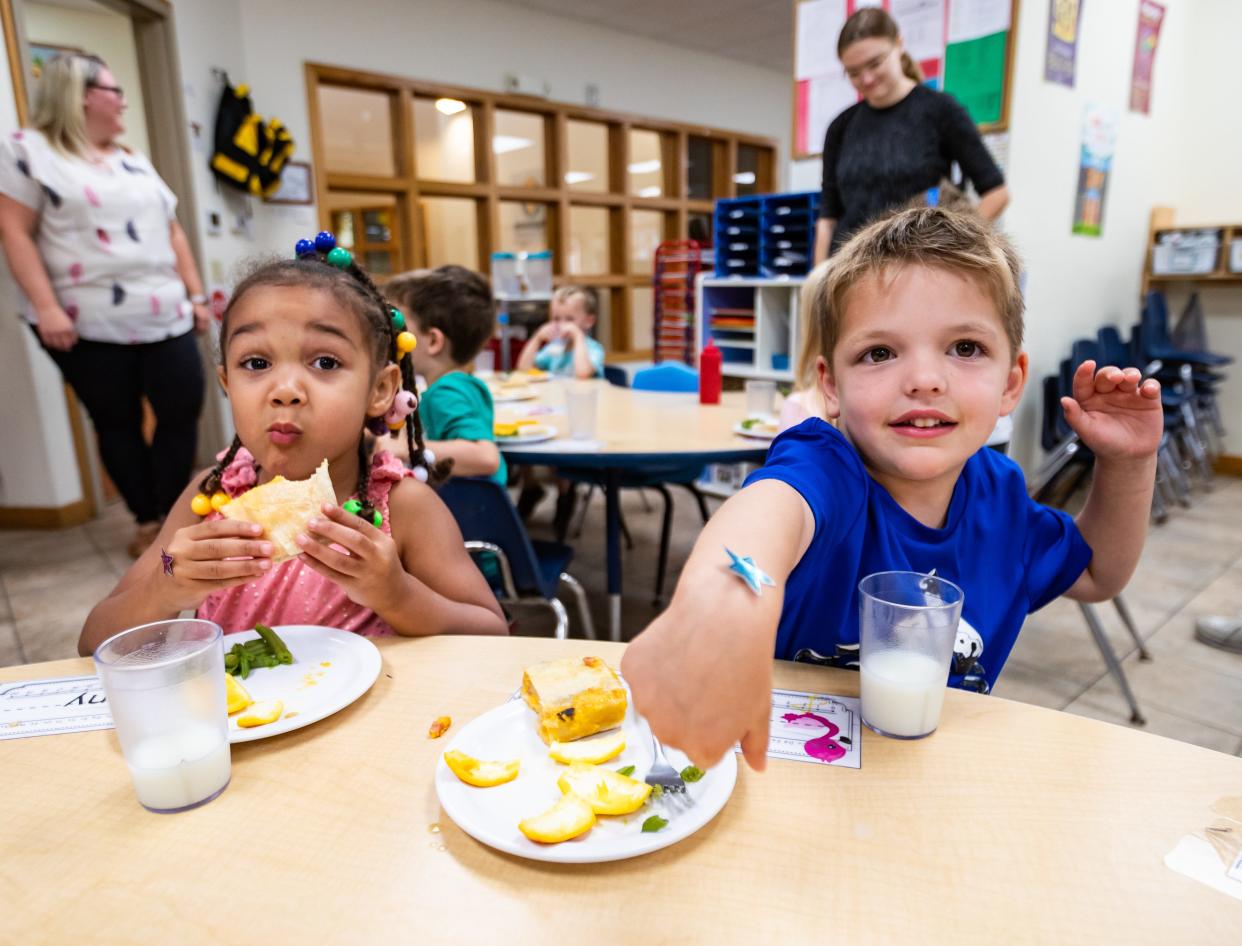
<point x="1151" y="15"/>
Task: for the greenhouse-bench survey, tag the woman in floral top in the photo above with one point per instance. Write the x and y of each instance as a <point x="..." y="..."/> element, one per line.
<point x="109" y="281"/>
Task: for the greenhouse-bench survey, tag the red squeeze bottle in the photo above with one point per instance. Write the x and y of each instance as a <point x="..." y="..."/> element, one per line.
<point x="709" y="374"/>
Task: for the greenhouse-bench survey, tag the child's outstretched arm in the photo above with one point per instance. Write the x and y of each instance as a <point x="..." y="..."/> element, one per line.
<point x="420" y="579"/>
<point x="544" y="334"/>
<point x="1119" y="417"/>
<point x="701" y="673"/>
<point x="205" y="557"/>
<point x="470" y="457"/>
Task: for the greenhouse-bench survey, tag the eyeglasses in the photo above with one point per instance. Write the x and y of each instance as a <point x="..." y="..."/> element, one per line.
<point x="869" y="66"/>
<point x="120" y="93"/>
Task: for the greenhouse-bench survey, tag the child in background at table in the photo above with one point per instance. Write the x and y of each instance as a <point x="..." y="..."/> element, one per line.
<point x="311" y="354"/>
<point x="562" y="346"/>
<point x="921" y="352"/>
<point x="450" y="312"/>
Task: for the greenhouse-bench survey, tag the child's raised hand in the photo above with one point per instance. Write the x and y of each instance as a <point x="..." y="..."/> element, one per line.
<point x="1115" y="412"/>
<point x="208" y="556"/>
<point x="371" y="573"/>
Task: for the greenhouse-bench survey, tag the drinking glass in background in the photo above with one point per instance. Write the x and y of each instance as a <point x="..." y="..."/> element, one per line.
<point x="582" y="406"/>
<point x="165" y="688"/>
<point x="759" y="398"/>
<point x="907" y="624"/>
<point x="485" y="362"/>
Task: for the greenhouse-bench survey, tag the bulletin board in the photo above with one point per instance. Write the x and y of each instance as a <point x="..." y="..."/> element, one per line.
<point x="964" y="47"/>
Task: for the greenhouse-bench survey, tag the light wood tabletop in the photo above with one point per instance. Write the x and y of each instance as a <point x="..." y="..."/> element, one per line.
<point x="645" y="423"/>
<point x="1011" y="824"/>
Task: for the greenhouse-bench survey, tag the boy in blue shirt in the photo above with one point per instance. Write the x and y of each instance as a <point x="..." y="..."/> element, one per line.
<point x="562" y="346"/>
<point x="921" y="324"/>
<point x="449" y="310"/>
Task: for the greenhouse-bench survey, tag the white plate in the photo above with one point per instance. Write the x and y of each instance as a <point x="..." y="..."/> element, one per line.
<point x="509" y="395"/>
<point x="531" y="433"/>
<point x="755" y="433"/>
<point x="491" y="815"/>
<point x="309" y="689"/>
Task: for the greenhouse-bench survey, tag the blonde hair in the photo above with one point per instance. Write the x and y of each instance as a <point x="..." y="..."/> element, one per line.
<point x="876" y="23"/>
<point x="811" y="330"/>
<point x="959" y="243"/>
<point x="59" y="100"/>
<point x="590" y="301"/>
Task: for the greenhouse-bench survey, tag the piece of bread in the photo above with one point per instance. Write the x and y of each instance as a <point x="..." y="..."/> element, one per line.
<point x="574" y="697"/>
<point x="283" y="508"/>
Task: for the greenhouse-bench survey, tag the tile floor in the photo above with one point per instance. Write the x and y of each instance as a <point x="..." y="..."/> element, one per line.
<point x="1191" y="566"/>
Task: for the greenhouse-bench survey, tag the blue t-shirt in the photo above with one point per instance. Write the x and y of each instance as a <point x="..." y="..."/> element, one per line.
<point x="1009" y="554"/>
<point x="555" y="358"/>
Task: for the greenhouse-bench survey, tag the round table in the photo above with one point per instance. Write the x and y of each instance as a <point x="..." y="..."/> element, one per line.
<point x="1011" y="824"/>
<point x="637" y="433"/>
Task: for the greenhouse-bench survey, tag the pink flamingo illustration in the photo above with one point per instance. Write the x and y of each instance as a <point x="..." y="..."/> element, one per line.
<point x="822" y="747"/>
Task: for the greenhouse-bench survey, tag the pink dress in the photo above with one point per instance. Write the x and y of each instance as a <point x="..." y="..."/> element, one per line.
<point x="292" y="593"/>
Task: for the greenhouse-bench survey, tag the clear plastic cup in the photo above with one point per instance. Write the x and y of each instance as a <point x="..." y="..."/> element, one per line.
<point x="907" y="623"/>
<point x="759" y="398"/>
<point x="582" y="406"/>
<point x="165" y="688"/>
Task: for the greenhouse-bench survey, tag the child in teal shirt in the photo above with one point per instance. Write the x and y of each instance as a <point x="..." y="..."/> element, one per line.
<point x="450" y="312"/>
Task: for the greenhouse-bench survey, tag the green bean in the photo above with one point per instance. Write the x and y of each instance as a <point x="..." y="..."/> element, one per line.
<point x="245" y="665"/>
<point x="274" y="642"/>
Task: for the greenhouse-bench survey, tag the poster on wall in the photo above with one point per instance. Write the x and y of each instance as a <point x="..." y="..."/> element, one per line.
<point x="1151" y="15"/>
<point x="1062" y="51"/>
<point x="1099" y="142"/>
<point x="974" y="57"/>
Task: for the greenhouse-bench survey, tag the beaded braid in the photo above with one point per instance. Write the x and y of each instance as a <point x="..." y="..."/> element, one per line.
<point x="210" y="496"/>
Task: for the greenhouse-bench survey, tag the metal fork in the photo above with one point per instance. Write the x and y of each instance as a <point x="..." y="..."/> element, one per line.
<point x="661" y="773"/>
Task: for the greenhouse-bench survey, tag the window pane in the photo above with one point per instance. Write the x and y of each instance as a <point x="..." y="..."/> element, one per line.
<point x="357" y="131"/>
<point x="450" y="231"/>
<point x="646" y="168"/>
<point x="699" y="227"/>
<point x="747" y="176"/>
<point x="640" y="318"/>
<point x="518" y="146"/>
<point x="700" y="171"/>
<point x="444" y="140"/>
<point x="646" y="232"/>
<point x="588" y="241"/>
<point x="368" y="225"/>
<point x="523" y="227"/>
<point x="588" y="157"/>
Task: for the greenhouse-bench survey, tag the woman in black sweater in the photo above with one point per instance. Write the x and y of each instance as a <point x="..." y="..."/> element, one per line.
<point x="898" y="142"/>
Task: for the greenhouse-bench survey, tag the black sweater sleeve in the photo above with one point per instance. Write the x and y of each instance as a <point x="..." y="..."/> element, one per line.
<point x="963" y="144"/>
<point x="830" y="204"/>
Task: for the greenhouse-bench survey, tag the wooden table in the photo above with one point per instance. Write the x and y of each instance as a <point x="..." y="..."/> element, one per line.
<point x="640" y="433"/>
<point x="1012" y="824"/>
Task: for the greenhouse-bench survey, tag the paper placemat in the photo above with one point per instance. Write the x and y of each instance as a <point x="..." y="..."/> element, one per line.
<point x="51" y="706"/>
<point x="815" y="727"/>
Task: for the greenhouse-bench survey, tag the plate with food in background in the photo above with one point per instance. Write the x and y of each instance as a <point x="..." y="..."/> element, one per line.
<point x="761" y="427"/>
<point x="557" y="774"/>
<point x="519" y="433"/>
<point x="298" y="675"/>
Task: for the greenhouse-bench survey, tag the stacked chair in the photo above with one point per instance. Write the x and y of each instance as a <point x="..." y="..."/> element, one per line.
<point x="1189" y="374"/>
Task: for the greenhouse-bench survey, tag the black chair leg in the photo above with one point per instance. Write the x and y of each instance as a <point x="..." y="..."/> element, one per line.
<point x="700" y="499"/>
<point x="666" y="532"/>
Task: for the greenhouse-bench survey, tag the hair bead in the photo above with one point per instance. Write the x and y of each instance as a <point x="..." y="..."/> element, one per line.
<point x="304" y="248"/>
<point x="352" y="506"/>
<point x="406" y="342"/>
<point x="339" y="256"/>
<point x="201" y="505"/>
<point x="325" y="242"/>
<point x="220" y="499"/>
<point x="398" y="320"/>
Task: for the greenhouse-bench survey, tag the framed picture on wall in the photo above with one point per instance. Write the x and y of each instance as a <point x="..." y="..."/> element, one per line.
<point x="42" y="52"/>
<point x="296" y="185"/>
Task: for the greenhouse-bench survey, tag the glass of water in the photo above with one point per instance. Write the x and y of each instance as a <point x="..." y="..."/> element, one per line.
<point x="165" y="688"/>
<point x="907" y="623"/>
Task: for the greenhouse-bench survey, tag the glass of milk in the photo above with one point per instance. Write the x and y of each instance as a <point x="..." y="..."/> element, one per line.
<point x="907" y="622"/>
<point x="165" y="687"/>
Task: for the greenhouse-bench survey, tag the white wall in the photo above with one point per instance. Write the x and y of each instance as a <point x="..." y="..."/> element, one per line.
<point x="1184" y="155"/>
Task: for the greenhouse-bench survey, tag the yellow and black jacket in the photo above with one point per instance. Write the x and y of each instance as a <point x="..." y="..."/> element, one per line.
<point x="249" y="154"/>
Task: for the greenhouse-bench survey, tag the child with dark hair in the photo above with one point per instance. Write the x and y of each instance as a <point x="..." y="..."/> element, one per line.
<point x="312" y="356"/>
<point x="452" y="317"/>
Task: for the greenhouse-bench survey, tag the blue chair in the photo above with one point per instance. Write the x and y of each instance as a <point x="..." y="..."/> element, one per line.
<point x="527" y="570"/>
<point x="666" y="376"/>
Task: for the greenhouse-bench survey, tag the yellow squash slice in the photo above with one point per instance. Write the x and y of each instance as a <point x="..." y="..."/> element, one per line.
<point x="606" y="791"/>
<point x="567" y="819"/>
<point x="261" y="713"/>
<point x="595" y="750"/>
<point x="478" y="772"/>
<point x="235" y="693"/>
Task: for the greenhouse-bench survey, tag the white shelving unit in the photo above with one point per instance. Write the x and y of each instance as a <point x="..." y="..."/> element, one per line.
<point x="754" y="323"/>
